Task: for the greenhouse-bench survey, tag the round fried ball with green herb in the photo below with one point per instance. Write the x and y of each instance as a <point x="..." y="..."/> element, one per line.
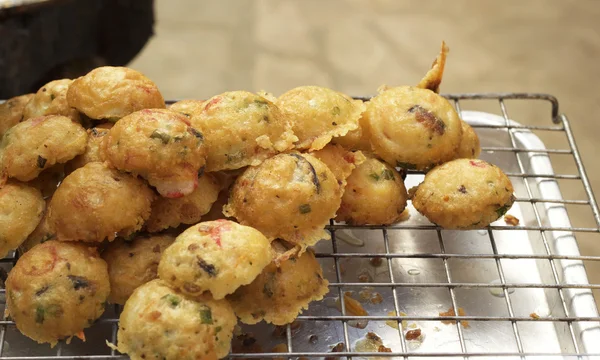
<point x="158" y="322"/>
<point x="469" y="145"/>
<point x="375" y="194"/>
<point x="95" y="202"/>
<point x="94" y="149"/>
<point x="319" y="114"/>
<point x="283" y="289"/>
<point x="413" y="128"/>
<point x="161" y="146"/>
<point x="11" y="112"/>
<point x="56" y="290"/>
<point x="113" y="92"/>
<point x="242" y="129"/>
<point x="188" y="108"/>
<point x="464" y="194"/>
<point x="217" y="256"/>
<point x="289" y="196"/>
<point x="34" y="145"/>
<point x="169" y="212"/>
<point x="21" y="210"/>
<point x="133" y="263"/>
<point x="51" y="99"/>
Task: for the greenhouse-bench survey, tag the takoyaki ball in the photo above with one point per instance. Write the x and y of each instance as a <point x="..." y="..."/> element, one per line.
<point x="289" y="196"/>
<point x="340" y="161"/>
<point x="94" y="149"/>
<point x="48" y="180"/>
<point x="318" y="114"/>
<point x="412" y="127"/>
<point x="11" y="112"/>
<point x="242" y="129"/>
<point x="34" y="145"/>
<point x="158" y="322"/>
<point x="464" y="194"/>
<point x="95" y="202"/>
<point x="51" y="99"/>
<point x="161" y="146"/>
<point x="188" y="108"/>
<point x="113" y="92"/>
<point x="356" y="139"/>
<point x="167" y="212"/>
<point x="21" y="209"/>
<point x="469" y="145"/>
<point x="375" y="194"/>
<point x="56" y="290"/>
<point x="42" y="233"/>
<point x="133" y="263"/>
<point x="216" y="256"/>
<point x="283" y="289"/>
<point x="433" y="78"/>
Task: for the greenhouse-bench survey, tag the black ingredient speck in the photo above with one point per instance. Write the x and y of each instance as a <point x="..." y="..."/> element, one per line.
<point x="79" y="282"/>
<point x="208" y="268"/>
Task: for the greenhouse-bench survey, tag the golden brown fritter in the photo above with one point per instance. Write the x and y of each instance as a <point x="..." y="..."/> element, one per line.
<point x="433" y="78"/>
<point x="95" y="202"/>
<point x="464" y="194"/>
<point x="188" y="108"/>
<point x="133" y="263"/>
<point x="34" y="145"/>
<point x="21" y="209"/>
<point x="241" y="129"/>
<point x="11" y="112"/>
<point x="318" y="114"/>
<point x="340" y="161"/>
<point x="161" y="323"/>
<point x="56" y="290"/>
<point x="469" y="145"/>
<point x="113" y="92"/>
<point x="51" y="99"/>
<point x="161" y="146"/>
<point x="94" y="148"/>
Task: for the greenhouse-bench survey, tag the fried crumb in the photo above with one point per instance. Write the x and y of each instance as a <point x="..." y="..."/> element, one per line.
<point x="534" y="316"/>
<point x="383" y="348"/>
<point x="364" y="278"/>
<point x="450" y="312"/>
<point x="353" y="307"/>
<point x="338" y="348"/>
<point x="376" y="261"/>
<point x="511" y="220"/>
<point x="413" y="334"/>
<point x="394" y="323"/>
<point x="376" y="298"/>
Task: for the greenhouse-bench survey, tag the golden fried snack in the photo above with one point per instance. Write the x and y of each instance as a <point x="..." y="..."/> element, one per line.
<point x="297" y="191"/>
<point x="241" y="129"/>
<point x="188" y="108"/>
<point x="189" y="209"/>
<point x="356" y="139"/>
<point x="21" y="209"/>
<point x="375" y="194"/>
<point x="11" y="112"/>
<point x="48" y="180"/>
<point x="161" y="323"/>
<point x="433" y="78"/>
<point x="51" y="99"/>
<point x="133" y="263"/>
<point x="56" y="290"/>
<point x="216" y="256"/>
<point x="113" y="92"/>
<point x="412" y="127"/>
<point x="318" y="114"/>
<point x="94" y="149"/>
<point x="37" y="144"/>
<point x="95" y="202"/>
<point x="161" y="146"/>
<point x="283" y="289"/>
<point x="42" y="233"/>
<point x="340" y="161"/>
<point x="469" y="145"/>
<point x="464" y="194"/>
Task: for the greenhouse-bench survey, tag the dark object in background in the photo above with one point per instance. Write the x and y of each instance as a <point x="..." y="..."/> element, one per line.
<point x="43" y="40"/>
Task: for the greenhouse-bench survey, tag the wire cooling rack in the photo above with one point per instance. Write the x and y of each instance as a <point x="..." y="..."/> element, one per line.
<point x="451" y="272"/>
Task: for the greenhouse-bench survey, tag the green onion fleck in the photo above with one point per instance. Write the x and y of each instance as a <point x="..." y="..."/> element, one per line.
<point x="304" y="208"/>
<point x="502" y="210"/>
<point x="39" y="315"/>
<point x="206" y="316"/>
<point x="387" y="174"/>
<point x="157" y="134"/>
<point x="173" y="300"/>
<point x="336" y="110"/>
<point x="374" y="176"/>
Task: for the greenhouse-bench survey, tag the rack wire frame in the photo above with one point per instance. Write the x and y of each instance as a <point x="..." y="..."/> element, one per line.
<point x="560" y="123"/>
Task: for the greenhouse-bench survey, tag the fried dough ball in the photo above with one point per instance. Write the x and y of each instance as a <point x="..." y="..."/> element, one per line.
<point x="94" y="149"/>
<point x="469" y="145"/>
<point x="433" y="78"/>
<point x="216" y="256"/>
<point x="95" y="202"/>
<point x="375" y="194"/>
<point x="56" y="290"/>
<point x="318" y="114"/>
<point x="11" y="112"/>
<point x="161" y="323"/>
<point x="340" y="161"/>
<point x="21" y="209"/>
<point x="242" y="129"/>
<point x="189" y="209"/>
<point x="412" y="127"/>
<point x="51" y="99"/>
<point x="48" y="180"/>
<point x="283" y="289"/>
<point x="188" y="108"/>
<point x="464" y="194"/>
<point x="42" y="233"/>
<point x="356" y="139"/>
<point x="161" y="146"/>
<point x="37" y="144"/>
<point x="113" y="92"/>
<point x="133" y="263"/>
<point x="299" y="193"/>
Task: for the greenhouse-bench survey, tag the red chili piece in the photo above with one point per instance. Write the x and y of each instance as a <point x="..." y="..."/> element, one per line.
<point x="477" y="164"/>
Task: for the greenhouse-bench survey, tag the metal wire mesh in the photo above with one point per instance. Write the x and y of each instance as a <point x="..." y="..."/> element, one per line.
<point x="567" y="320"/>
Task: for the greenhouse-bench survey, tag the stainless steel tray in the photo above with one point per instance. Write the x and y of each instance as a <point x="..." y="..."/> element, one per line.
<point x="500" y="276"/>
